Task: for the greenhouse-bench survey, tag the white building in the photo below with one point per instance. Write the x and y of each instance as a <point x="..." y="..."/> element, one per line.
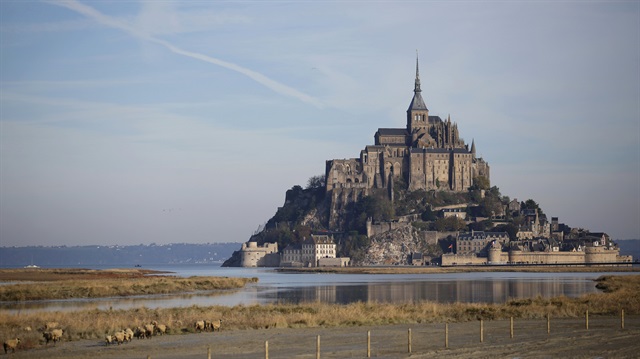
<point x="309" y="252"/>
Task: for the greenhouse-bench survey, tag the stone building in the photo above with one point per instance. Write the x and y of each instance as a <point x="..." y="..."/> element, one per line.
<point x="310" y="252"/>
<point x="477" y="242"/>
<point x="428" y="154"/>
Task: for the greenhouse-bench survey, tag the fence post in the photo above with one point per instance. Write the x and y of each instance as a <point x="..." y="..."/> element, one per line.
<point x="586" y="319"/>
<point x="368" y="344"/>
<point x="481" y="331"/>
<point x="409" y="341"/>
<point x="548" y="324"/>
<point x="318" y="348"/>
<point x="511" y="328"/>
<point x="266" y="349"/>
<point x="622" y="319"/>
<point x="446" y="335"/>
<point x="209" y="352"/>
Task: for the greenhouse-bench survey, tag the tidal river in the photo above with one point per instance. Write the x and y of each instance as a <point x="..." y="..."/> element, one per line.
<point x="274" y="287"/>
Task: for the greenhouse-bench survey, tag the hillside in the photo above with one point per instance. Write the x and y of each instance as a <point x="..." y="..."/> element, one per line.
<point x="74" y="256"/>
<point x="417" y="217"/>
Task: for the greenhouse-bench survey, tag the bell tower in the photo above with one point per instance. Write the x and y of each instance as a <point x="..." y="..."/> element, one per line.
<point x="418" y="113"/>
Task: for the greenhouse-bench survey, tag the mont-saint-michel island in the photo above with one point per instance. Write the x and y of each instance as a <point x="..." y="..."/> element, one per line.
<point x="418" y="195"/>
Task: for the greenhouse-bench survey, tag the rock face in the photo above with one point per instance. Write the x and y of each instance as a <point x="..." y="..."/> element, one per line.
<point x="394" y="247"/>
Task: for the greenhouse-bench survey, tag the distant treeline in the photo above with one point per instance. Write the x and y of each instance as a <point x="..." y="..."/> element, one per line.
<point x="181" y="253"/>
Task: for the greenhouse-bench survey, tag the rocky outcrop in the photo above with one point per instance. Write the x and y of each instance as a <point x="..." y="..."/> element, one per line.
<point x="394" y="247"/>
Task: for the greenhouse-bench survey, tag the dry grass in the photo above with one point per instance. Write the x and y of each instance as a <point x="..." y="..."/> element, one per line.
<point x="620" y="293"/>
<point x="115" y="285"/>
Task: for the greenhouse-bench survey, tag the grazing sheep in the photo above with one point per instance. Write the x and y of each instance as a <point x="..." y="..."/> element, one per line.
<point x="139" y="333"/>
<point x="216" y="324"/>
<point x="128" y="333"/>
<point x="159" y="328"/>
<point x="119" y="337"/>
<point x="11" y="344"/>
<point x="50" y="325"/>
<point x="148" y="330"/>
<point x="200" y="326"/>
<point x="53" y="335"/>
<point x="108" y="339"/>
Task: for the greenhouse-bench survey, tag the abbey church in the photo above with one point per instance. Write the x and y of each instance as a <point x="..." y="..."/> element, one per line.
<point x="428" y="154"/>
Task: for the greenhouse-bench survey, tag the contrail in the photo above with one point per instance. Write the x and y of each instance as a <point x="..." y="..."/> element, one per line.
<point x="115" y="23"/>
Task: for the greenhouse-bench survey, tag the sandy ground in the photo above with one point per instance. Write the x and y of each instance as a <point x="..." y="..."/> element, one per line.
<point x="569" y="338"/>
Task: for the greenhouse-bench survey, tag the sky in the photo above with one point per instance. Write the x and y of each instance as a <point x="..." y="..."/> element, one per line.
<point x="138" y="122"/>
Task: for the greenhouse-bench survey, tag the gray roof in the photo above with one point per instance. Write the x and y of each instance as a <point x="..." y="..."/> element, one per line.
<point x="435" y="119"/>
<point x="392" y="132"/>
<point x="417" y="103"/>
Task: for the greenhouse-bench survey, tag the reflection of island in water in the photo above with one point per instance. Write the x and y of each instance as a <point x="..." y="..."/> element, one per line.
<point x="476" y="291"/>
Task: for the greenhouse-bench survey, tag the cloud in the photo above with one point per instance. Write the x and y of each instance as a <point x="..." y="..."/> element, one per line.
<point x="132" y="30"/>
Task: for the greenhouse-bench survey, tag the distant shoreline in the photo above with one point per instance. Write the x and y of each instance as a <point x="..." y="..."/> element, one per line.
<point x="460" y="269"/>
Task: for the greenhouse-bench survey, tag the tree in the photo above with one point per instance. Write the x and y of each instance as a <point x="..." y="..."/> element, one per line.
<point x="316" y="182"/>
<point x="377" y="207"/>
<point x="480" y="182"/>
<point x="531" y="204"/>
<point x="450" y="224"/>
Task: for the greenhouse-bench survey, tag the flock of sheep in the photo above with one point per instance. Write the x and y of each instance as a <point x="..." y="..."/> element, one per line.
<point x="205" y="325"/>
<point x="145" y="331"/>
<point x="52" y="332"/>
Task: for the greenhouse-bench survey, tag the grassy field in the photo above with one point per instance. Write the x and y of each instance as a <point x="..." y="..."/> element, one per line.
<point x="41" y="284"/>
<point x="619" y="292"/>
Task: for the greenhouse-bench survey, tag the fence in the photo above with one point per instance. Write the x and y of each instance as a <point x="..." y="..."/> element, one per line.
<point x="422" y="339"/>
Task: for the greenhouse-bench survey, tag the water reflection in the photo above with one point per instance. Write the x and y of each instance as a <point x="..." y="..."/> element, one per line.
<point x="484" y="291"/>
<point x="294" y="288"/>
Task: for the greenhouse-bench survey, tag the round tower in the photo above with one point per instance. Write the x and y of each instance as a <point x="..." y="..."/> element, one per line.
<point x="495" y="254"/>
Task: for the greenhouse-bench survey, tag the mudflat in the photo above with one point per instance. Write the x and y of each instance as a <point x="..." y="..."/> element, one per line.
<point x="568" y="338"/>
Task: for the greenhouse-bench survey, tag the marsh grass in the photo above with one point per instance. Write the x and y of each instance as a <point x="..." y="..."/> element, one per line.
<point x="620" y="292"/>
<point x="116" y="287"/>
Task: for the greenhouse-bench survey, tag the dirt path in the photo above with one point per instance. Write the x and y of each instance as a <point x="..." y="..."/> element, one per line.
<point x="568" y="339"/>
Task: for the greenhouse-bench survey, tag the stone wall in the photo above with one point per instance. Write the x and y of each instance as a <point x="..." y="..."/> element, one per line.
<point x="462" y="259"/>
<point x="496" y="256"/>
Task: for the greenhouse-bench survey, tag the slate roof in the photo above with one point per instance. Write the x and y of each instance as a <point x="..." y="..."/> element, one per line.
<point x="417" y="103"/>
<point x="392" y="132"/>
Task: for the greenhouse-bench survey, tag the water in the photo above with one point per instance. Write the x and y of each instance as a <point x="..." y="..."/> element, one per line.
<point x="275" y="287"/>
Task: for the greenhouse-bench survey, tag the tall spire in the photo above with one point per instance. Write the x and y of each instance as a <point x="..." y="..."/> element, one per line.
<point x="417" y="103"/>
<point x="417" y="84"/>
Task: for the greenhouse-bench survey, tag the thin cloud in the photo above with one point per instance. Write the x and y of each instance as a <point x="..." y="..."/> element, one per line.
<point x="256" y="76"/>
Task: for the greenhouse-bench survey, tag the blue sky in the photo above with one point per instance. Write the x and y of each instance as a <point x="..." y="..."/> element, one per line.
<point x="157" y="122"/>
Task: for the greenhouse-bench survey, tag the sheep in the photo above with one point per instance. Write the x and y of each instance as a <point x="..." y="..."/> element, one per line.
<point x="128" y="334"/>
<point x="216" y="324"/>
<point x="159" y="328"/>
<point x="199" y="325"/>
<point x="148" y="330"/>
<point x="139" y="333"/>
<point x="53" y="335"/>
<point x="119" y="337"/>
<point x="50" y="325"/>
<point x="11" y="344"/>
<point x="109" y="339"/>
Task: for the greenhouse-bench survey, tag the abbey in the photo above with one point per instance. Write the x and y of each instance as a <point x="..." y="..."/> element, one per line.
<point x="428" y="154"/>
